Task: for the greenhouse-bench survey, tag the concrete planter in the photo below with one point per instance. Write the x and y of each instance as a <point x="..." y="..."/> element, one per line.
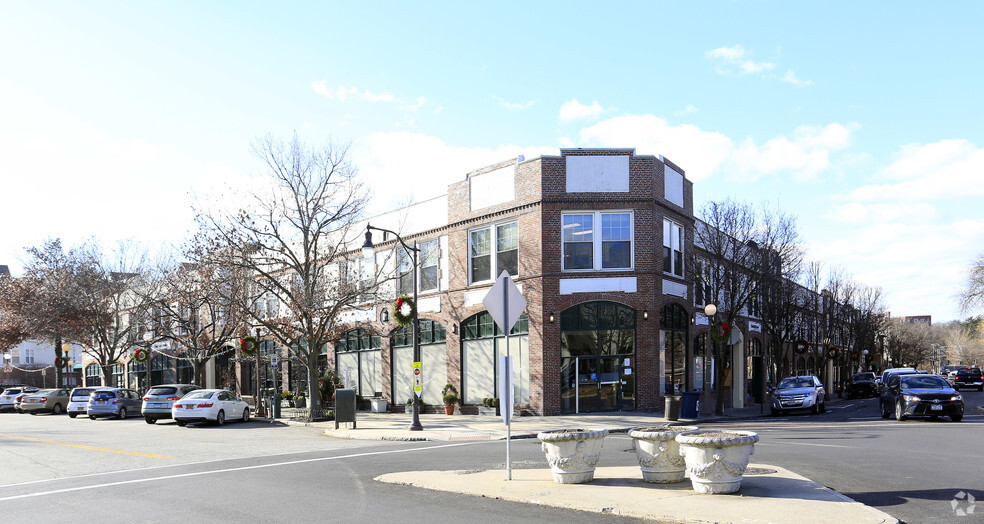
<point x="573" y="453"/>
<point x="716" y="460"/>
<point x="659" y="453"/>
<point x="378" y="405"/>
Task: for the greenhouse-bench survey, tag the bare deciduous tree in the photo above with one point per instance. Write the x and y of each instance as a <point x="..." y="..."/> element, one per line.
<point x="973" y="297"/>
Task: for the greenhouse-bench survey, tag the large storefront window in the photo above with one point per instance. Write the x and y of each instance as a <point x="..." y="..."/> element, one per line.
<point x="93" y="375"/>
<point x="161" y="369"/>
<point x="597" y="358"/>
<point x="137" y="372"/>
<point x="702" y="364"/>
<point x="674" y="323"/>
<point x="482" y="345"/>
<point x="359" y="362"/>
<point x="117" y="371"/>
<point x="433" y="362"/>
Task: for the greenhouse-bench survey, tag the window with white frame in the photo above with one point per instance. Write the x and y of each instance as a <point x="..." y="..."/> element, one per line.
<point x="609" y="246"/>
<point x="427" y="278"/>
<point x="28" y="356"/>
<point x="672" y="248"/>
<point x="492" y="250"/>
<point x="356" y="277"/>
<point x="404" y="275"/>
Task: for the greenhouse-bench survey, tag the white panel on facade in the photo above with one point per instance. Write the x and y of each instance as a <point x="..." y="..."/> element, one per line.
<point x="570" y="286"/>
<point x="519" y="350"/>
<point x="402" y="371"/>
<point x="674" y="288"/>
<point x="494" y="187"/>
<point x="358" y="315"/>
<point x="474" y="298"/>
<point x="434" y="368"/>
<point x="478" y="370"/>
<point x="597" y="174"/>
<point x="673" y="185"/>
<point x="444" y="265"/>
<point x="347" y="368"/>
<point x="429" y="305"/>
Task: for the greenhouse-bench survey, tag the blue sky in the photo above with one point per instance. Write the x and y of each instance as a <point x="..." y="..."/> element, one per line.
<point x="861" y="118"/>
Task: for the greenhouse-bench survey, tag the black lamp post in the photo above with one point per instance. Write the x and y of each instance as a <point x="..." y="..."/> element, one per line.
<point x="368" y="249"/>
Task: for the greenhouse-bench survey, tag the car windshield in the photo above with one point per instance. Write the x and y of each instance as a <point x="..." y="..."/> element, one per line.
<point x="103" y="395"/>
<point x="81" y="393"/>
<point x="796" y="382"/>
<point x="861" y="377"/>
<point x="45" y="392"/>
<point x="11" y="392"/>
<point x="200" y="394"/>
<point x="162" y="391"/>
<point x="924" y="382"/>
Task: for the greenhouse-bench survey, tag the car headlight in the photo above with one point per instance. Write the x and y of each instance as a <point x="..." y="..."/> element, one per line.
<point x="956" y="397"/>
<point x="911" y="398"/>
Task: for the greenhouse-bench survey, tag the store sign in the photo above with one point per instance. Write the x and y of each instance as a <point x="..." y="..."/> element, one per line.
<point x="755" y="327"/>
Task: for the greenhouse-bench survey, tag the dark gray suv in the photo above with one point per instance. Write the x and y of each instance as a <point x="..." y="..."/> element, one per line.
<point x="158" y="401"/>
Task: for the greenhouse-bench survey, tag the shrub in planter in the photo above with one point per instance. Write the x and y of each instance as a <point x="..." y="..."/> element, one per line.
<point x="450" y="398"/>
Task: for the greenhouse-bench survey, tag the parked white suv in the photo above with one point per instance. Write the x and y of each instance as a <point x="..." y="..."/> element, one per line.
<point x="78" y="401"/>
<point x="795" y="393"/>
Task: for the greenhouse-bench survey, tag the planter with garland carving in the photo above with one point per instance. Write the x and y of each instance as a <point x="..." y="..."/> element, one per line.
<point x="716" y="460"/>
<point x="659" y="453"/>
<point x="572" y="453"/>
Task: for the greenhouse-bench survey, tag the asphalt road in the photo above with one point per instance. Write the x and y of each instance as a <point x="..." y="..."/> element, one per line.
<point x="58" y="469"/>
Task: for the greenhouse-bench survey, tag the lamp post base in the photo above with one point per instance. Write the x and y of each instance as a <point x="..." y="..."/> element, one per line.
<point x="415" y="424"/>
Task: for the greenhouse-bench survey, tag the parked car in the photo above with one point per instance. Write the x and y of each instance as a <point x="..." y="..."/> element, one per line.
<point x="918" y="395"/>
<point x="78" y="401"/>
<point x="45" y="401"/>
<point x="158" y="401"/>
<point x="883" y="380"/>
<point x="113" y="402"/>
<point x="9" y="396"/>
<point x="798" y="393"/>
<point x="862" y="385"/>
<point x="209" y="405"/>
<point x="968" y="378"/>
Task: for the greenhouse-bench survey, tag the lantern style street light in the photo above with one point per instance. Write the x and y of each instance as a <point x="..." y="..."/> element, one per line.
<point x="368" y="249"/>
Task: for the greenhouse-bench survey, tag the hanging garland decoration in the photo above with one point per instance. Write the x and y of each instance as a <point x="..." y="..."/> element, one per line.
<point x="140" y="355"/>
<point x="248" y="346"/>
<point x="59" y="362"/>
<point x="721" y="332"/>
<point x="802" y="346"/>
<point x="404" y="310"/>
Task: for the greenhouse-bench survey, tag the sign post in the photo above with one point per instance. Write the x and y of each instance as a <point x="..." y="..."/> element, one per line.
<point x="418" y="385"/>
<point x="506" y="304"/>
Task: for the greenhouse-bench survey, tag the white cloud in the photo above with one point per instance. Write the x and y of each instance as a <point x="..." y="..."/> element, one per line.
<point x="381" y="97"/>
<point x="574" y="110"/>
<point x="791" y="78"/>
<point x="509" y="106"/>
<point x="806" y="154"/>
<point x="737" y="59"/>
<point x="945" y="169"/>
<point x="689" y="109"/>
<point x="339" y="93"/>
<point x="415" y="106"/>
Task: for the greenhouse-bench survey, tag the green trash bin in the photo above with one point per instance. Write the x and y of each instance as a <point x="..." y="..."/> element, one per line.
<point x="672" y="407"/>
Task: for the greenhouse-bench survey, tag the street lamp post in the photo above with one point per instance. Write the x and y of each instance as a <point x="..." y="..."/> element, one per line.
<point x="710" y="310"/>
<point x="368" y="249"/>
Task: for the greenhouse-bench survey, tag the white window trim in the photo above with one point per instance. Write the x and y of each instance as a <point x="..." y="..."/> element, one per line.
<point x="683" y="258"/>
<point x="596" y="237"/>
<point x="494" y="269"/>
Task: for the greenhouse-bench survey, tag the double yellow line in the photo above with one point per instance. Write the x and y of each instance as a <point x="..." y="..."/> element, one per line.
<point x="83" y="446"/>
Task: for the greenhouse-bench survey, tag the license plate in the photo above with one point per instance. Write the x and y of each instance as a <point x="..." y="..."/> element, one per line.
<point x="158" y="405"/>
<point x="936" y="407"/>
<point x="189" y="406"/>
<point x="101" y="403"/>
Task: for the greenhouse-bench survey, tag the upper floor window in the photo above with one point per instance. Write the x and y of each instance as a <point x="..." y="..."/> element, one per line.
<point x="492" y="250"/>
<point x="427" y="258"/>
<point x="672" y="248"/>
<point x="608" y="247"/>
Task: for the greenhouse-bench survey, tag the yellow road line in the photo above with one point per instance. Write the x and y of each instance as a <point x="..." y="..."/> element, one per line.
<point x="83" y="446"/>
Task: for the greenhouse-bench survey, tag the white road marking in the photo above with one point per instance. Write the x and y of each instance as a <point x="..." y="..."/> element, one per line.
<point x="759" y="443"/>
<point x="228" y="470"/>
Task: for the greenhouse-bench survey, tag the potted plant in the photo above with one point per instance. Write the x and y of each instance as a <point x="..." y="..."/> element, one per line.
<point x="572" y="453"/>
<point x="490" y="406"/>
<point x="299" y="401"/>
<point x="409" y="406"/>
<point x="659" y="453"/>
<point x="450" y="398"/>
<point x="716" y="459"/>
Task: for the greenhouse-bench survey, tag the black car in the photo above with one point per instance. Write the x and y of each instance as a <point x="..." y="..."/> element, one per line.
<point x="862" y="385"/>
<point x="969" y="378"/>
<point x="921" y="395"/>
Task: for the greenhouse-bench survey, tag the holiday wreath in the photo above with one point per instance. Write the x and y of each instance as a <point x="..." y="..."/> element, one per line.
<point x="248" y="346"/>
<point x="59" y="362"/>
<point x="802" y="346"/>
<point x="404" y="310"/>
<point x="140" y="355"/>
<point x="721" y="332"/>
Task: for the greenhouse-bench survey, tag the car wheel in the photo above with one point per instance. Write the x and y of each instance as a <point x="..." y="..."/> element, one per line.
<point x="34" y="412"/>
<point x="815" y="409"/>
<point x="823" y="407"/>
<point x="121" y="414"/>
<point x="92" y="417"/>
<point x="57" y="410"/>
<point x="956" y="418"/>
<point x="220" y="418"/>
<point x="775" y="412"/>
<point x="73" y="415"/>
<point x="150" y="420"/>
<point x="246" y="415"/>
<point x="899" y="414"/>
<point x="181" y="423"/>
<point x="881" y="406"/>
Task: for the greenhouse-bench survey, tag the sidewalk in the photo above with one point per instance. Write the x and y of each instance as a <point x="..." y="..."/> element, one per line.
<point x="768" y="493"/>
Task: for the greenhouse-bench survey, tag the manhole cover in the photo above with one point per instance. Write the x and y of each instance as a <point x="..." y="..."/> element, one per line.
<point x="759" y="471"/>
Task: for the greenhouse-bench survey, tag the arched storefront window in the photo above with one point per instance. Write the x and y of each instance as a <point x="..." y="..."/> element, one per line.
<point x="161" y="369"/>
<point x="359" y="362"/>
<point x="93" y="375"/>
<point x="117" y="371"/>
<point x="137" y="378"/>
<point x="755" y="369"/>
<point x="482" y="343"/>
<point x="433" y="362"/>
<point x="597" y="357"/>
<point x="674" y="323"/>
<point x="186" y="372"/>
<point x="702" y="364"/>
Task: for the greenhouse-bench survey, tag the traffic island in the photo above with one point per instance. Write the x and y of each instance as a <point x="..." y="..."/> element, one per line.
<point x="768" y="494"/>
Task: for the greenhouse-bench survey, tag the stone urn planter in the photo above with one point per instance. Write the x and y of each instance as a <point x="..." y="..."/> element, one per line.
<point x="659" y="453"/>
<point x="716" y="460"/>
<point x="572" y="453"/>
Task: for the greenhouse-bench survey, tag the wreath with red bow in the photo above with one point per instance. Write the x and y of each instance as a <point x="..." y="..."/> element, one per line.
<point x="721" y="332"/>
<point x="248" y="346"/>
<point x="802" y="346"/>
<point x="59" y="362"/>
<point x="404" y="310"/>
<point x="140" y="355"/>
<point x="834" y="351"/>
